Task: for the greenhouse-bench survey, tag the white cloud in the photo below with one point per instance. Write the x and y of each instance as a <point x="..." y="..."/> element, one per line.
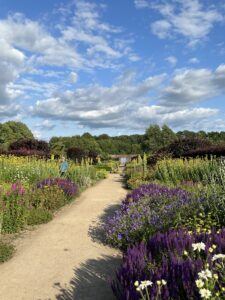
<point x="161" y="28"/>
<point x="11" y="62"/>
<point x="175" y="118"/>
<point x="44" y="125"/>
<point x="99" y="106"/>
<point x="189" y="19"/>
<point x="141" y="3"/>
<point x="172" y="60"/>
<point x="190" y="86"/>
<point x="73" y="77"/>
<point x="193" y="60"/>
<point x="126" y="104"/>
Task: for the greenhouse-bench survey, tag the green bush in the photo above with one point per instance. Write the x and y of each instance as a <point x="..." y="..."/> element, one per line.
<point x="6" y="251"/>
<point x="102" y="174"/>
<point x="38" y="216"/>
<point x="49" y="197"/>
<point x="15" y="209"/>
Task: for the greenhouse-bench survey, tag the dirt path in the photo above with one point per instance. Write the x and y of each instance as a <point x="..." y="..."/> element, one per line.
<point x="64" y="259"/>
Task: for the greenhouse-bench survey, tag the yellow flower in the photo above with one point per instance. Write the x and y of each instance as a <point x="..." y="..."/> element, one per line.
<point x="136" y="283"/>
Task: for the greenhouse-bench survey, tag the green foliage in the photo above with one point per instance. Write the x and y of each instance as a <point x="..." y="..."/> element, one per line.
<point x="156" y="138"/>
<point x="38" y="216"/>
<point x="50" y="198"/>
<point x="102" y="174"/>
<point x="177" y="171"/>
<point x="136" y="172"/>
<point x="12" y="131"/>
<point x="15" y="210"/>
<point x="6" y="251"/>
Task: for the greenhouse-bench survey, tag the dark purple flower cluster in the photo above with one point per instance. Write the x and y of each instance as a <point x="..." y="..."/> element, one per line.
<point x="154" y="190"/>
<point x="162" y="257"/>
<point x="69" y="188"/>
<point x="146" y="210"/>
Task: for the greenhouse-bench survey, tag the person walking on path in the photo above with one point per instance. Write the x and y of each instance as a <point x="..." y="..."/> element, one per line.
<point x="63" y="167"/>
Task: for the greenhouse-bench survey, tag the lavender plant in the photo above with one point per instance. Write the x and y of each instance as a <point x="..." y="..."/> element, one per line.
<point x="182" y="261"/>
<point x="149" y="209"/>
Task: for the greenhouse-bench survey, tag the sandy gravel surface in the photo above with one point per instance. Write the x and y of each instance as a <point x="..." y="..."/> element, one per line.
<point x="65" y="258"/>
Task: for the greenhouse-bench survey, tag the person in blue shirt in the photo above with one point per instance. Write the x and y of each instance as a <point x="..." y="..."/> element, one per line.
<point x="63" y="167"/>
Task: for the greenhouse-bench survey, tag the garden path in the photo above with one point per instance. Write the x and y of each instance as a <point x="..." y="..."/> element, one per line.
<point x="65" y="259"/>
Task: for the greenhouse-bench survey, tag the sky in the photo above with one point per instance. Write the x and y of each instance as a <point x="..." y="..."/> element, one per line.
<point x="115" y="67"/>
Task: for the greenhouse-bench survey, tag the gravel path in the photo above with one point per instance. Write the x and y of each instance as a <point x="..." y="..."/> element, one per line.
<point x="65" y="259"/>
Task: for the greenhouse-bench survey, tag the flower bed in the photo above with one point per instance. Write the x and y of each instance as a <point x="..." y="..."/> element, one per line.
<point x="191" y="265"/>
<point x="149" y="209"/>
<point x="70" y="189"/>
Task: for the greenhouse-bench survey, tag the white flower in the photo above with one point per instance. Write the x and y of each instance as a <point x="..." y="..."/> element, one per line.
<point x="145" y="283"/>
<point x="206" y="294"/>
<point x="198" y="246"/>
<point x="205" y="274"/>
<point x="199" y="283"/>
<point x="218" y="256"/>
<point x="164" y="282"/>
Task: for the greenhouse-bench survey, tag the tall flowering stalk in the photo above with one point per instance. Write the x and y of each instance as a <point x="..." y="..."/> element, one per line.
<point x="180" y="258"/>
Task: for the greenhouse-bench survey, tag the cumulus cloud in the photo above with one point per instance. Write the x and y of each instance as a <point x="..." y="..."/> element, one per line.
<point x="11" y="62"/>
<point x="44" y="125"/>
<point x="191" y="86"/>
<point x="99" y="106"/>
<point x="83" y="42"/>
<point x="189" y="19"/>
<point x="126" y="104"/>
<point x="176" y="118"/>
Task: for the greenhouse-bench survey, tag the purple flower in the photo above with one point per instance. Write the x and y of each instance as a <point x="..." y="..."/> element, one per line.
<point x="146" y="210"/>
<point x="162" y="258"/>
<point x="70" y="189"/>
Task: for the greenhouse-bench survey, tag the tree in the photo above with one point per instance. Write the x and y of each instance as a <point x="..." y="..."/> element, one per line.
<point x="153" y="139"/>
<point x="168" y="136"/>
<point x="76" y="153"/>
<point x="12" y="131"/>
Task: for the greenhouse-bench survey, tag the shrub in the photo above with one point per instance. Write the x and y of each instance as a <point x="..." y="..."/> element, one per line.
<point x="47" y="197"/>
<point x="181" y="146"/>
<point x="38" y="216"/>
<point x="15" y="209"/>
<point x="25" y="152"/>
<point x="177" y="262"/>
<point x="30" y="144"/>
<point x="69" y="188"/>
<point x="6" y="251"/>
<point x="76" y="154"/>
<point x="102" y="174"/>
<point x="149" y="209"/>
<point x="215" y="151"/>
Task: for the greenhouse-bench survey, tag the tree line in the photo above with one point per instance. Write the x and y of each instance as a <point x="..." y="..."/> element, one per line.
<point x="153" y="140"/>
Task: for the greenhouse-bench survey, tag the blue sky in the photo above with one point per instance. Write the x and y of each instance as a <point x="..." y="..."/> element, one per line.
<point x="68" y="67"/>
